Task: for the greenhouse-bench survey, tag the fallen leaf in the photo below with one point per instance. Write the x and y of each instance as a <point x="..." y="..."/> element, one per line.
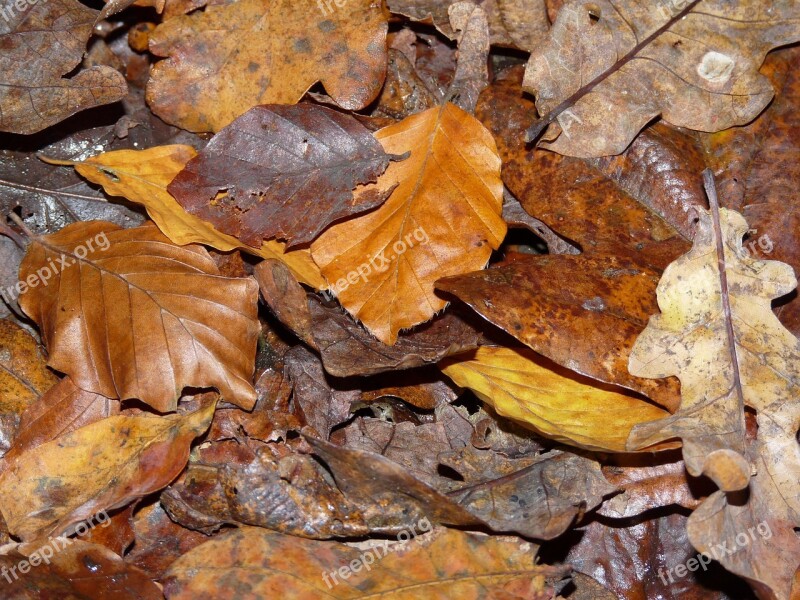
<point x="41" y="44"/>
<point x="229" y="58"/>
<point x="519" y="384"/>
<point x="282" y="172"/>
<point x="443" y="564"/>
<point x="615" y="67"/>
<point x="127" y="314"/>
<point x="97" y="467"/>
<point x="382" y="265"/>
<point x="142" y="176"/>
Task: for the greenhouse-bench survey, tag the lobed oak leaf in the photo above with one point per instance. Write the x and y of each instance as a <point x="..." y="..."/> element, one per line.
<point x="127" y="314"/>
<point x="142" y="176"/>
<point x="282" y="172"/>
<point x="229" y="58"/>
<point x="443" y="219"/>
<point x="717" y="333"/>
<point x="95" y="468"/>
<point x="42" y="43"/>
<point x="612" y="67"/>
<point x="519" y="386"/>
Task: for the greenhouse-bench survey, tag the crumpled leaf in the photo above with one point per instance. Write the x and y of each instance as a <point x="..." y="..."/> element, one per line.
<point x="282" y="172"/>
<point x="519" y="384"/>
<point x="690" y="339"/>
<point x="131" y="315"/>
<point x="229" y="58"/>
<point x="97" y="467"/>
<point x="143" y="176"/>
<point x="41" y="44"/>
<point x="518" y="23"/>
<point x="443" y="564"/>
<point x="443" y="219"/>
<point x="701" y="73"/>
<point x="75" y="569"/>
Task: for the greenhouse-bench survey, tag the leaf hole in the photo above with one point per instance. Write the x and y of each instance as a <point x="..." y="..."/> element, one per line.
<point x="594" y="13"/>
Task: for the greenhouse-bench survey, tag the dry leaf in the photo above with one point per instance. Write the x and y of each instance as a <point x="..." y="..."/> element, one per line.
<point x="95" y="468"/>
<point x="282" y="172"/>
<point x="442" y="565"/>
<point x="143" y="176"/>
<point x="227" y="59"/>
<point x="24" y="376"/>
<point x="127" y="314"/>
<point x="703" y="309"/>
<point x="558" y="405"/>
<point x="701" y="73"/>
<point x="443" y="219"/>
<point x="42" y="43"/>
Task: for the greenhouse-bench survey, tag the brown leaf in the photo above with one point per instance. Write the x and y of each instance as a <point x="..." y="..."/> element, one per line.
<point x="472" y="73"/>
<point x="113" y="321"/>
<point x="382" y="265"/>
<point x="94" y="468"/>
<point x="443" y="564"/>
<point x="617" y="68"/>
<point x="229" y="58"/>
<point x="41" y="44"/>
<point x="282" y="172"/>
<point x="62" y="409"/>
<point x="68" y="568"/>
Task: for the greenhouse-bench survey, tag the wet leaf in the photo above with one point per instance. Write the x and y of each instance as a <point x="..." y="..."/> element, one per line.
<point x="107" y="303"/>
<point x="42" y="43"/>
<point x="382" y="265"/>
<point x="94" y="468"/>
<point x="521" y="385"/>
<point x="617" y="68"/>
<point x="282" y="172"/>
<point x="231" y="57"/>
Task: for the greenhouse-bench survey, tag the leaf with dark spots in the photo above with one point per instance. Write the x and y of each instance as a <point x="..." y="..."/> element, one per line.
<point x="282" y="171"/>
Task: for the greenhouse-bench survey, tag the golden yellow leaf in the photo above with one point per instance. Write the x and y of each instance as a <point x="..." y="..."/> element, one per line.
<point x="142" y="176"/>
<point x="517" y="384"/>
<point x="24" y="375"/>
<point x="443" y="219"/>
<point x="227" y="59"/>
<point x="94" y="468"/>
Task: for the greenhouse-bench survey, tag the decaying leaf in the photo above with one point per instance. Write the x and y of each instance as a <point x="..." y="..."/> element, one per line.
<point x="700" y="73"/>
<point x="382" y="265"/>
<point x="231" y="57"/>
<point x="282" y="172"/>
<point x="442" y="564"/>
<point x="127" y="314"/>
<point x="143" y="176"/>
<point x="520" y="385"/>
<point x="95" y="468"/>
<point x="32" y="67"/>
<point x="718" y="335"/>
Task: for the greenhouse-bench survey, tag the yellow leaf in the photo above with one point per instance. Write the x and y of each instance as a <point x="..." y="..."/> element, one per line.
<point x="443" y="219"/>
<point x="142" y="176"/>
<point x="94" y="468"/>
<point x="559" y="407"/>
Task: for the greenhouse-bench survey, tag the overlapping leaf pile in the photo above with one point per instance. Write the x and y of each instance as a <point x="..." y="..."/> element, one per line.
<point x="422" y="300"/>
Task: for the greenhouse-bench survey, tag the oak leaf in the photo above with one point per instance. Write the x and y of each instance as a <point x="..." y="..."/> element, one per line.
<point x="520" y="386"/>
<point x="701" y="72"/>
<point x="142" y="176"/>
<point x="127" y="314"/>
<point x="442" y="219"/>
<point x="41" y="44"/>
<point x="282" y="172"/>
<point x="717" y="333"/>
<point x="229" y="58"/>
<point x="95" y="468"/>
